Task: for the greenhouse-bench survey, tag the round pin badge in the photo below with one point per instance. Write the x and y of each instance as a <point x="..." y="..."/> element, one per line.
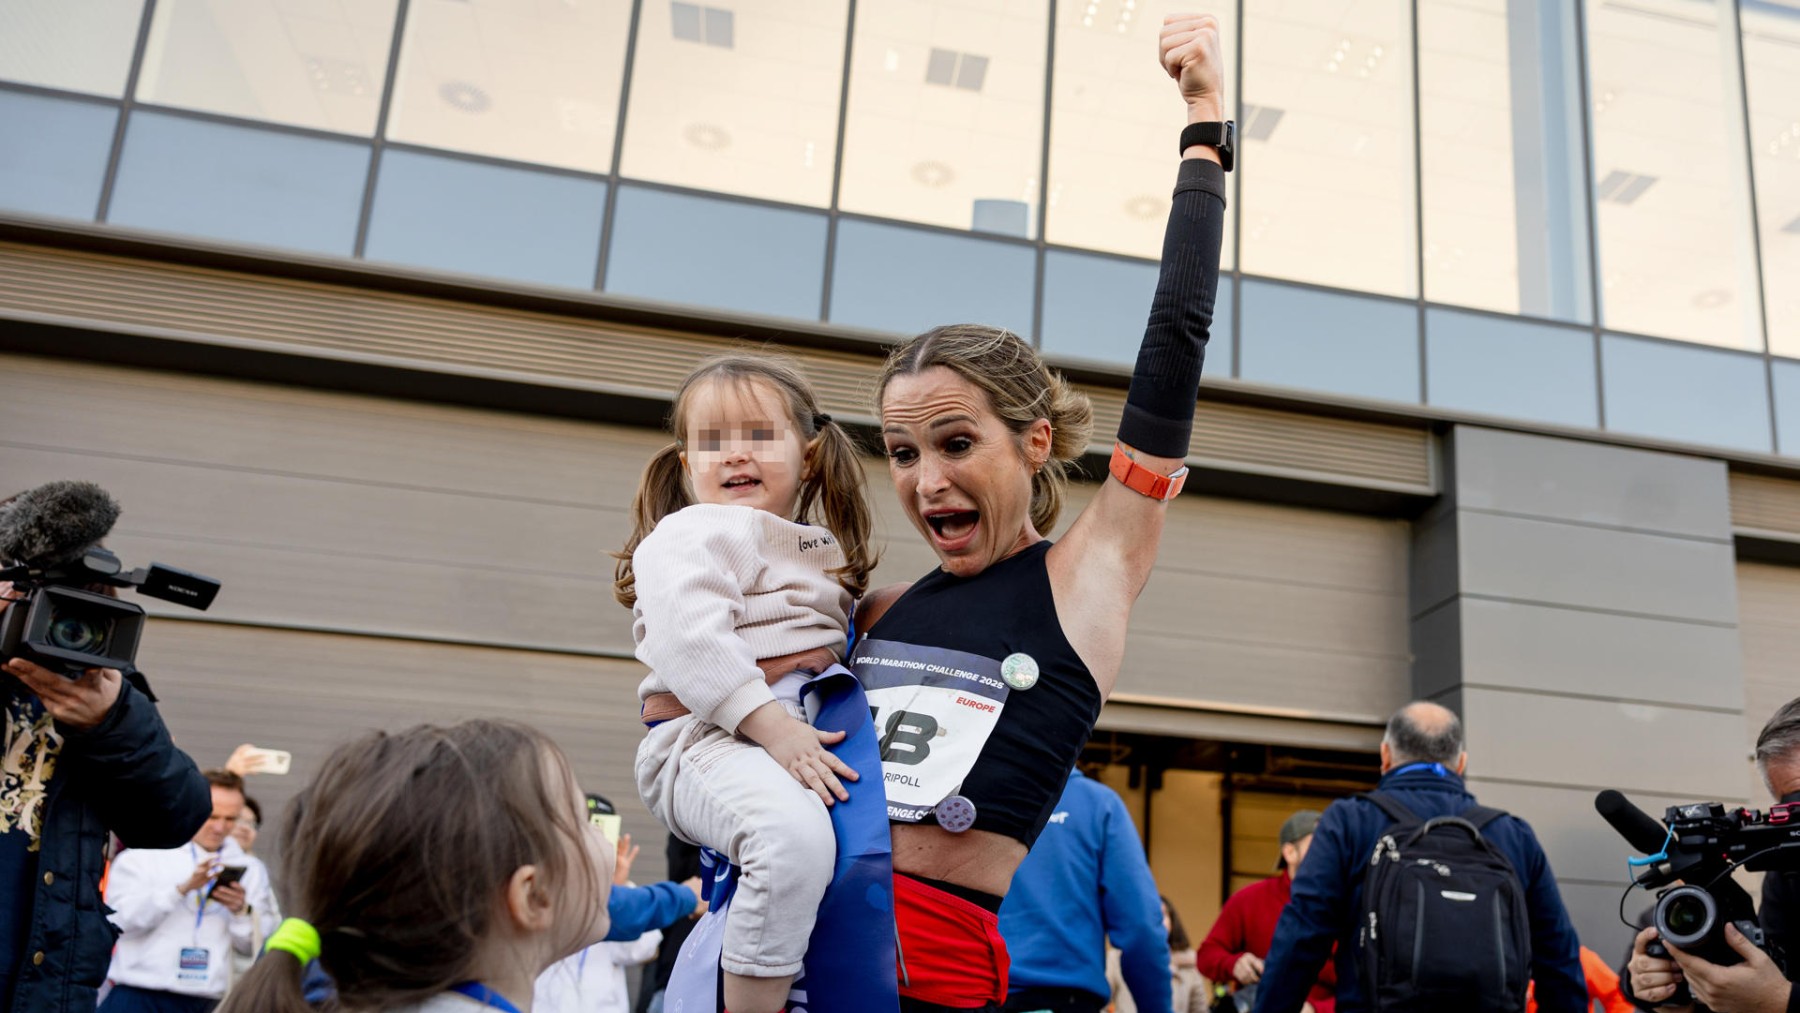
<point x="955" y="814"/>
<point x="1020" y="671"/>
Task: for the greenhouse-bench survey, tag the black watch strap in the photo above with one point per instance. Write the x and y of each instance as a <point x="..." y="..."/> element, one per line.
<point x="1219" y="135"/>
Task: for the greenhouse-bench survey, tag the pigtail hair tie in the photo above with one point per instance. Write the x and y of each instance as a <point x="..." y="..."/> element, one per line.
<point x="821" y="420"/>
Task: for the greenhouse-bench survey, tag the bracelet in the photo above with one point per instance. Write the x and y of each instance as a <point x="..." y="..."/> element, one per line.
<point x="1142" y="480"/>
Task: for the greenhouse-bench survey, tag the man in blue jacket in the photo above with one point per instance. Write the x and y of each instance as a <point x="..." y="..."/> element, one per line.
<point x="78" y="758"/>
<point x="1085" y="881"/>
<point x="1422" y="763"/>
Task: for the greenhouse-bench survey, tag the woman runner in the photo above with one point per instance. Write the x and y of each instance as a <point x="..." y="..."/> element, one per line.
<point x="986" y="676"/>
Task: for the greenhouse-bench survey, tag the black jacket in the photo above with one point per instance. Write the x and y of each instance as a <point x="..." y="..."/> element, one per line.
<point x="1780" y="918"/>
<point x="124" y="776"/>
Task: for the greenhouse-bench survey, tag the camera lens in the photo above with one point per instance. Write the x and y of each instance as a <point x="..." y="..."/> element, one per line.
<point x="1686" y="915"/>
<point x="78" y="633"/>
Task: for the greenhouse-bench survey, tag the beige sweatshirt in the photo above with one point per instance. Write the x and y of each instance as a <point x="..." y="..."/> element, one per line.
<point x="719" y="587"/>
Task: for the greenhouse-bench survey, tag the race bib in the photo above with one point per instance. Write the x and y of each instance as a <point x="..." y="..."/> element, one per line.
<point x="934" y="710"/>
<point x="193" y="964"/>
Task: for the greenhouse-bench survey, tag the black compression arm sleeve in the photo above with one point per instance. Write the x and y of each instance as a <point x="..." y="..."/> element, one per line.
<point x="1159" y="410"/>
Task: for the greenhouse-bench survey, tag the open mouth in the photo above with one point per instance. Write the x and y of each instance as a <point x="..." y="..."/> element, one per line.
<point x="953" y="527"/>
<point x="742" y="482"/>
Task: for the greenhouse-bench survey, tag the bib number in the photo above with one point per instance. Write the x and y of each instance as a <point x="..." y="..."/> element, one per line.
<point x="934" y="711"/>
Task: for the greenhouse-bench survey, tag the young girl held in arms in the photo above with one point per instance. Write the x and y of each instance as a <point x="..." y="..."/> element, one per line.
<point x="738" y="598"/>
<point x="437" y="870"/>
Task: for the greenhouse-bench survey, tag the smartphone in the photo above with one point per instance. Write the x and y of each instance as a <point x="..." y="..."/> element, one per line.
<point x="268" y="761"/>
<point x="229" y="875"/>
<point x="609" y="824"/>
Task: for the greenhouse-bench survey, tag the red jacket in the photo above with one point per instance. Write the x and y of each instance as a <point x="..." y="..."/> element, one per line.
<point x="1602" y="985"/>
<point x="1247" y="925"/>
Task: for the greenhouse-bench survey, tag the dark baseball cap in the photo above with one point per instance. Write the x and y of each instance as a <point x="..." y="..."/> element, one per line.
<point x="1297" y="828"/>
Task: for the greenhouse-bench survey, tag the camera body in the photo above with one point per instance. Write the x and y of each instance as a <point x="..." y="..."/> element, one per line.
<point x="1706" y="841"/>
<point x="65" y="627"/>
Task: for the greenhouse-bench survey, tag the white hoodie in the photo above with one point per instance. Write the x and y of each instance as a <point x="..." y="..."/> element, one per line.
<point x="593" y="980"/>
<point x="163" y="930"/>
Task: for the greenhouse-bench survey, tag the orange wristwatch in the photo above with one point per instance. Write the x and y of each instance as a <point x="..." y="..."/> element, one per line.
<point x="1142" y="480"/>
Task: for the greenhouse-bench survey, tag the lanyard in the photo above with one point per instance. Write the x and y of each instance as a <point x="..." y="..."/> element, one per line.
<point x="484" y="995"/>
<point x="200" y="908"/>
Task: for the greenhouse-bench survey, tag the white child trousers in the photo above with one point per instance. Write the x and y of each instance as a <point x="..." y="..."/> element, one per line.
<point x="724" y="792"/>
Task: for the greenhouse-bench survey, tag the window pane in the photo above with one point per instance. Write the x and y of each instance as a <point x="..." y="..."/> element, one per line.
<point x="80" y="46"/>
<point x="486" y="219"/>
<point x="1675" y="252"/>
<point x="307" y="64"/>
<point x="1095" y="308"/>
<point x="742" y="99"/>
<point x="1772" y="74"/>
<point x="1328" y="341"/>
<point x="761" y="259"/>
<point x="1506" y="217"/>
<point x="1480" y="363"/>
<point x="1694" y="395"/>
<point x="239" y="184"/>
<point x="518" y="79"/>
<point x="946" y="116"/>
<point x="1327" y="195"/>
<point x="890" y="278"/>
<point x="53" y="154"/>
<point x="1787" y="405"/>
<point x="1114" y="120"/>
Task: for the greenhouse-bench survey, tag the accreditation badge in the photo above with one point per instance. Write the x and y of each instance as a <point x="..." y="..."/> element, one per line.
<point x="934" y="710"/>
<point x="193" y="964"/>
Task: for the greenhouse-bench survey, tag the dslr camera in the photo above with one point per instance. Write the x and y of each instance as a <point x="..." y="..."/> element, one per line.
<point x="49" y="544"/>
<point x="1698" y="845"/>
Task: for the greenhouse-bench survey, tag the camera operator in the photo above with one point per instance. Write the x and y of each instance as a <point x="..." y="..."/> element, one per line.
<point x="1757" y="985"/>
<point x="78" y="758"/>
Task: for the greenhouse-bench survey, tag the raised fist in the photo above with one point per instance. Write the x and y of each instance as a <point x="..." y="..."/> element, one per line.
<point x="1189" y="45"/>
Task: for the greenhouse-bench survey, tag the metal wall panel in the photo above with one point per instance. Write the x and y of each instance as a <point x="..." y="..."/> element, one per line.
<point x="1623" y="657"/>
<point x="1637" y="490"/>
<point x="1582" y="615"/>
<point x="1527" y="559"/>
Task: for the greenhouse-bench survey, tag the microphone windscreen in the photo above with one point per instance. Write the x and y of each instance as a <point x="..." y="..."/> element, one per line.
<point x="55" y="522"/>
<point x="1641" y="830"/>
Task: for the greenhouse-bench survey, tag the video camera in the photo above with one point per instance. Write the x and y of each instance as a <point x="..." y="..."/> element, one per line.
<point x="1699" y="845"/>
<point x="49" y="538"/>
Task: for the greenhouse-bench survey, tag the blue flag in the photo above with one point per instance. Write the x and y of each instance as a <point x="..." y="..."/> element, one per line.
<point x="850" y="958"/>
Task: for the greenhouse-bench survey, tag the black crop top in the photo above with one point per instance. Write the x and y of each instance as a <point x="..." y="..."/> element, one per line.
<point x="978" y="694"/>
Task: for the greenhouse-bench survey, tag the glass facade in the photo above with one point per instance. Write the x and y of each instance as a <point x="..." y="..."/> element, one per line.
<point x="1676" y="254"/>
<point x="1581" y="214"/>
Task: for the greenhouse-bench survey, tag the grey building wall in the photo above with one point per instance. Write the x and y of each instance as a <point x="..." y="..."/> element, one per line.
<point x="1577" y="604"/>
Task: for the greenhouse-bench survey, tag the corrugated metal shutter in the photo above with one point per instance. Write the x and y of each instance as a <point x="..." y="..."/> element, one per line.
<point x="1769" y="625"/>
<point x="348" y="323"/>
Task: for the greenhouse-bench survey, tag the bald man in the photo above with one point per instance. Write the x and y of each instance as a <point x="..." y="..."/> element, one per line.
<point x="1422" y="764"/>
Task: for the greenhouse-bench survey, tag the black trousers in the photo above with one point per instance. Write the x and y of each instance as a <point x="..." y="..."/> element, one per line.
<point x="129" y="999"/>
<point x="1056" y="1000"/>
<point x="921" y="1006"/>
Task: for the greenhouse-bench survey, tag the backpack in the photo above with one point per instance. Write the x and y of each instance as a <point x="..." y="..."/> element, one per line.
<point x="1444" y="922"/>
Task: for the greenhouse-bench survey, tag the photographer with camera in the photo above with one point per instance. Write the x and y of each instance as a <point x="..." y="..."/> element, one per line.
<point x="82" y="752"/>
<point x="1756" y="984"/>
